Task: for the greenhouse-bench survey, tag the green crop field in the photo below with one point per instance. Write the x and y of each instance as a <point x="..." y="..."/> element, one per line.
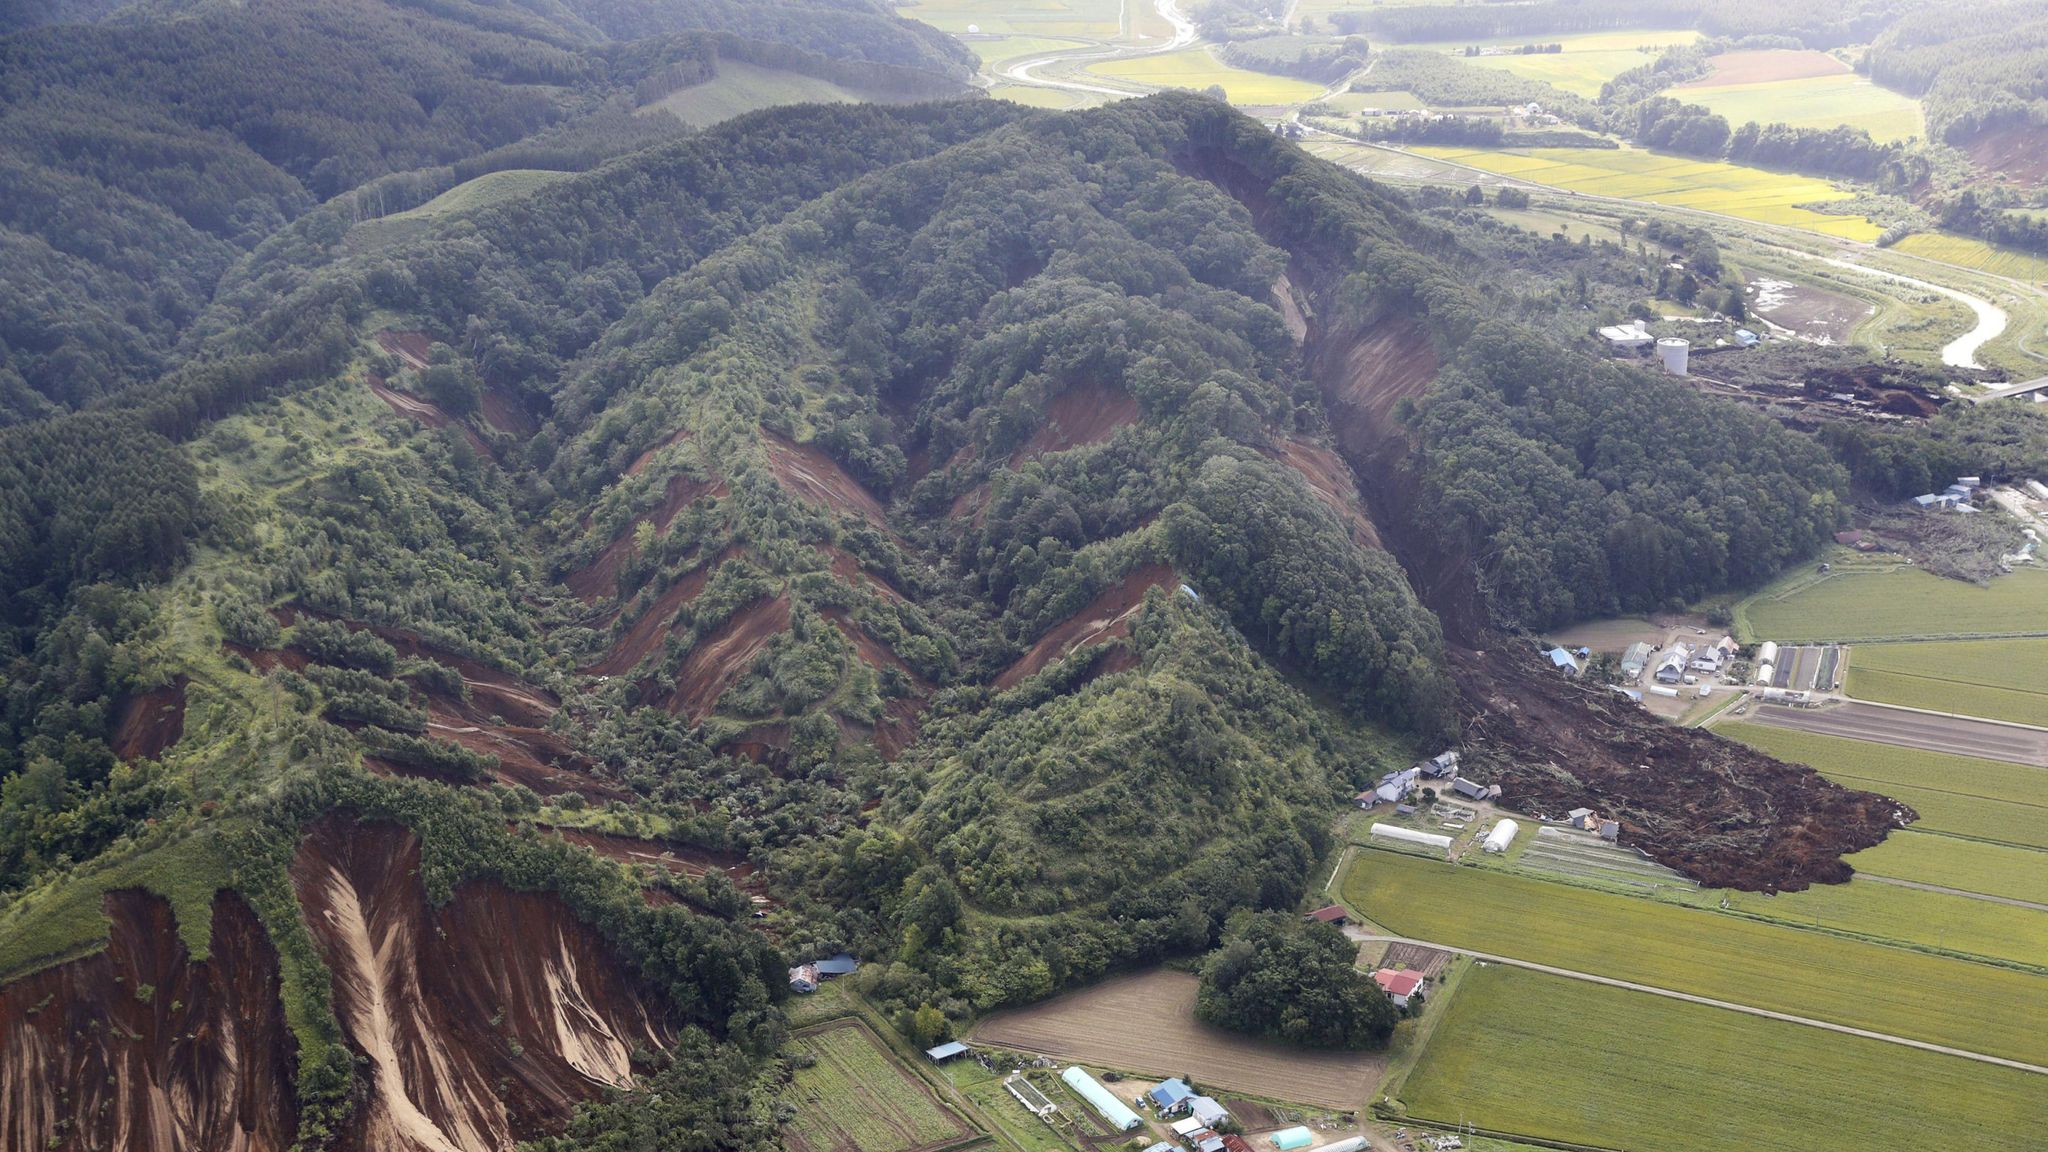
<point x="1709" y="185"/>
<point x="1967" y="252"/>
<point x="740" y="87"/>
<point x="1005" y="48"/>
<point x="1896" y="604"/>
<point x="1914" y="916"/>
<point x="1198" y="68"/>
<point x="485" y="190"/>
<point x="1092" y="18"/>
<point x="1814" y="102"/>
<point x="1965" y="865"/>
<point x="1564" y="1060"/>
<point x="857" y="1096"/>
<point x="2002" y="679"/>
<point x="1351" y="103"/>
<point x="1703" y="952"/>
<point x="1587" y="62"/>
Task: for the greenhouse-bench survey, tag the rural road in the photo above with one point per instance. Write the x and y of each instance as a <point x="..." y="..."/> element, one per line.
<point x="1898" y="883"/>
<point x="1906" y="728"/>
<point x="1364" y="937"/>
<point x="1025" y="71"/>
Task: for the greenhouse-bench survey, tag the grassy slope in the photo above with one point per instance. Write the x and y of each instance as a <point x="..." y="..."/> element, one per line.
<point x="1702" y="952"/>
<point x="1093" y="18"/>
<point x="1565" y="1060"/>
<point x="740" y="88"/>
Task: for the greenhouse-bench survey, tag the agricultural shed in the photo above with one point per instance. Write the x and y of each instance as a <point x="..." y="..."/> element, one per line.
<point x="1563" y="661"/>
<point x="1581" y="817"/>
<point x="1636" y="659"/>
<point x="946" y="1051"/>
<point x="1160" y="1146"/>
<point x="1609" y="830"/>
<point x="1186" y="1128"/>
<point x="1104" y="1101"/>
<point x="1232" y="1142"/>
<point x="1409" y="836"/>
<point x="1440" y="765"/>
<point x="1288" y="1139"/>
<point x="1348" y="1144"/>
<point x="1332" y="914"/>
<point x="1208" y="1111"/>
<point x="840" y="965"/>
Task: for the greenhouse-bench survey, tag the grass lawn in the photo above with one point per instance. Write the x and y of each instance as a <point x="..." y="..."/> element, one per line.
<point x="856" y="1095"/>
<point x="1896" y="604"/>
<point x="1814" y="102"/>
<point x="1564" y="1060"/>
<point x="1710" y="185"/>
<point x="1199" y="68"/>
<point x="485" y="190"/>
<point x="1972" y="253"/>
<point x="740" y="88"/>
<point x="1703" y="952"/>
<point x="1092" y="18"/>
<point x="2002" y="679"/>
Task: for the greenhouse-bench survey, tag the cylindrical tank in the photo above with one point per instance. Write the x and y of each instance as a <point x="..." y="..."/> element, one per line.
<point x="1661" y="690"/>
<point x="1673" y="352"/>
<point x="1503" y="834"/>
<point x="1764" y="672"/>
<point x="1768" y="654"/>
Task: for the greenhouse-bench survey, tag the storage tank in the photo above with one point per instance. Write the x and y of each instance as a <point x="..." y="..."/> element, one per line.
<point x="1673" y="352"/>
<point x="1113" y="1110"/>
<point x="1409" y="836"/>
<point x="1351" y="1145"/>
<point x="1764" y="672"/>
<point x="1661" y="690"/>
<point x="1503" y="834"/>
<point x="1768" y="654"/>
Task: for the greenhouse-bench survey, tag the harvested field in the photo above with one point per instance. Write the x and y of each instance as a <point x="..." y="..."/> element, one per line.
<point x="151" y="723"/>
<point x="1146" y="1023"/>
<point x="649" y="627"/>
<point x="600" y="578"/>
<point x="1678" y="1077"/>
<point x="1083" y="414"/>
<point x="1105" y="618"/>
<point x="858" y="1096"/>
<point x="1953" y="734"/>
<point x="719" y="658"/>
<point x="812" y="476"/>
<point x="1415" y="958"/>
<point x="1806" y="312"/>
<point x="1757" y="67"/>
<point x="1330" y="479"/>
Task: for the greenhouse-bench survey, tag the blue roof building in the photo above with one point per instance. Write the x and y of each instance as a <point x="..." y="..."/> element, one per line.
<point x="1746" y="338"/>
<point x="1563" y="661"/>
<point x="1171" y="1096"/>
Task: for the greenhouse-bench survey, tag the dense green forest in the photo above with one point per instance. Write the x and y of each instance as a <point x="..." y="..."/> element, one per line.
<point x="1279" y="977"/>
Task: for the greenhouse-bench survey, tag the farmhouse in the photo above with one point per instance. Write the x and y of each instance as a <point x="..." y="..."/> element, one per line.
<point x="1636" y="659"/>
<point x="1333" y="914"/>
<point x="1671" y="665"/>
<point x="1208" y="1111"/>
<point x="1400" y="985"/>
<point x="1392" y="789"/>
<point x="807" y="977"/>
<point x="1708" y="659"/>
<point x="804" y="978"/>
<point x="1171" y="1096"/>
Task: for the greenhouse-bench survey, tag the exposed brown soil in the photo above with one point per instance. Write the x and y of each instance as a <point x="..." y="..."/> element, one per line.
<point x="507" y="415"/>
<point x="898" y="728"/>
<point x="847" y="567"/>
<point x="720" y="658"/>
<point x="406" y="404"/>
<point x="1717" y="811"/>
<point x="640" y="462"/>
<point x="1289" y="305"/>
<point x="600" y="578"/>
<point x="461" y="1041"/>
<point x="1765" y="65"/>
<point x="1330" y="479"/>
<point x="265" y="659"/>
<point x="151" y="722"/>
<point x="411" y="348"/>
<point x="1105" y="618"/>
<point x="143" y="1049"/>
<point x="1415" y="958"/>
<point x="871" y="651"/>
<point x="650" y="626"/>
<point x="654" y="854"/>
<point x="814" y="477"/>
<point x="2019" y="152"/>
<point x="1083" y="414"/>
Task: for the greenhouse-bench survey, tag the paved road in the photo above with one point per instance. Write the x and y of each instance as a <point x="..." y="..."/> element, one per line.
<point x="1927" y="731"/>
<point x="2015" y="390"/>
<point x="1898" y="883"/>
<point x="1362" y="936"/>
<point x="1025" y="71"/>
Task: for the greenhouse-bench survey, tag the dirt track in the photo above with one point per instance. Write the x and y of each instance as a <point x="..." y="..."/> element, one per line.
<point x="1923" y="730"/>
<point x="1146" y="1023"/>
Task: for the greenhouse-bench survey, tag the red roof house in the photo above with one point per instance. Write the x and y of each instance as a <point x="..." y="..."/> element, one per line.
<point x="1399" y="985"/>
<point x="1334" y="914"/>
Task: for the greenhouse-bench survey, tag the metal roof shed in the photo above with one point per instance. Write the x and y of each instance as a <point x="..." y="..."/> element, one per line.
<point x="1171" y="1094"/>
<point x="840" y="965"/>
<point x="1207" y="1110"/>
<point x="946" y="1051"/>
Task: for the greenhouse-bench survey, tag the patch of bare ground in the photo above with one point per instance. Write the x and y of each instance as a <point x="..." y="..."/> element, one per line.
<point x="406" y="404"/>
<point x="600" y="578"/>
<point x="651" y="625"/>
<point x="1081" y="415"/>
<point x="461" y="1043"/>
<point x="413" y="349"/>
<point x="848" y="567"/>
<point x="1330" y="479"/>
<point x="807" y="473"/>
<point x="201" y="1060"/>
<point x="2019" y="152"/>
<point x="1146" y="1024"/>
<point x="719" y="658"/>
<point x="640" y="462"/>
<point x="1720" y="812"/>
<point x="151" y="722"/>
<point x="505" y="414"/>
<point x="1415" y="958"/>
<point x="1289" y="306"/>
<point x="1103" y="619"/>
<point x="1764" y="65"/>
<point x="676" y="860"/>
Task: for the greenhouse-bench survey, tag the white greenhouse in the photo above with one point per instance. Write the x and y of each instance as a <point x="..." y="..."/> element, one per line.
<point x="1503" y="834"/>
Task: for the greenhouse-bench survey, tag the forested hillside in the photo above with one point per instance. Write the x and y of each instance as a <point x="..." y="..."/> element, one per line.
<point x="889" y="528"/>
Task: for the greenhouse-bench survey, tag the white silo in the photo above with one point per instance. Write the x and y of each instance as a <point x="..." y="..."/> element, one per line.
<point x="1673" y="352"/>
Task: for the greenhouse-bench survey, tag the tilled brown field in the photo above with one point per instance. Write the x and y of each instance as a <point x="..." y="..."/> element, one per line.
<point x="1147" y="1024"/>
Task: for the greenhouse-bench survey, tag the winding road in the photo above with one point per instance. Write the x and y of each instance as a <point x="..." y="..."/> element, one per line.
<point x="1026" y="71"/>
<point x="1364" y="937"/>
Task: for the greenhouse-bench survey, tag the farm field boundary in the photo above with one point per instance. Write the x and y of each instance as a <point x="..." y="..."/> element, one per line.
<point x="1538" y="1057"/>
<point x="858" y="1094"/>
<point x="2001" y="679"/>
<point x="1703" y="952"/>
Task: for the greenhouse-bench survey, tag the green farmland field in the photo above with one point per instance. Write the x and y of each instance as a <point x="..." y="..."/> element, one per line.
<point x="1703" y="952"/>
<point x="1972" y="253"/>
<point x="1709" y="185"/>
<point x="1564" y="1060"/>
<point x="1959" y="795"/>
<point x="740" y="87"/>
<point x="2002" y="679"/>
<point x="1899" y="604"/>
<point x="1815" y="102"/>
<point x="1092" y="18"/>
<point x="857" y="1096"/>
<point x="1587" y="62"/>
<point x="1914" y="916"/>
<point x="1198" y="68"/>
<point x="1965" y="865"/>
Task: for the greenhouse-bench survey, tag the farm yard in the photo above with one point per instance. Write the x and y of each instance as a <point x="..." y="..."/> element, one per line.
<point x="1899" y="603"/>
<point x="1635" y="174"/>
<point x="1805" y="89"/>
<point x="1146" y="1023"/>
<point x="2001" y="679"/>
<point x="856" y="1096"/>
<point x="1702" y="952"/>
<point x="1199" y="68"/>
<point x="1560" y="1059"/>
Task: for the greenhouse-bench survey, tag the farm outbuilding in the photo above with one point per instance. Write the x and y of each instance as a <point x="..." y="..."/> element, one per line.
<point x="1768" y="654"/>
<point x="1410" y="836"/>
<point x="1171" y="1096"/>
<point x="1764" y="673"/>
<point x="1636" y="659"/>
<point x="1288" y="1139"/>
<point x="1503" y="834"/>
<point x="1208" y="1111"/>
<point x="1104" y="1101"/>
<point x="1329" y="914"/>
